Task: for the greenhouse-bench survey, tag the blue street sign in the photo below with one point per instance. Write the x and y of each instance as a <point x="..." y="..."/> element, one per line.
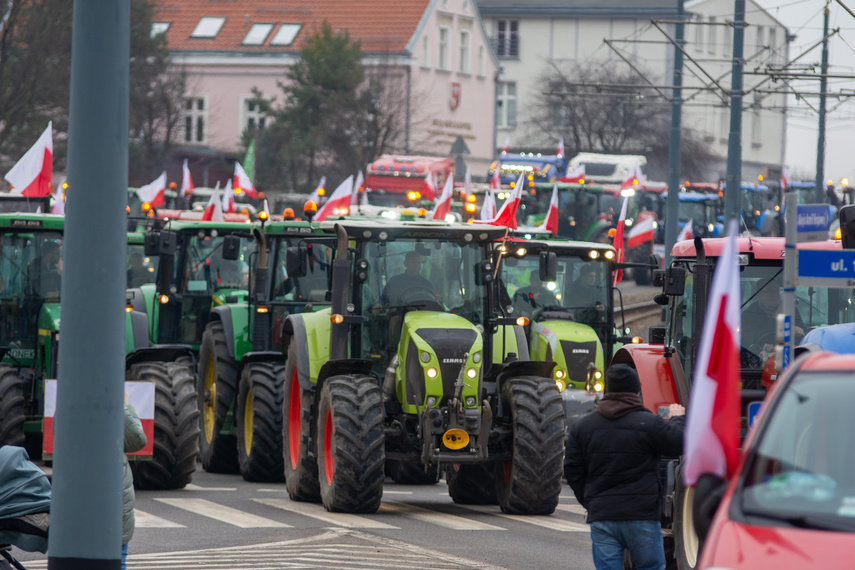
<point x="785" y="359"/>
<point x="787" y="329"/>
<point x="812" y="222"/>
<point x="818" y="268"/>
<point x="753" y="410"/>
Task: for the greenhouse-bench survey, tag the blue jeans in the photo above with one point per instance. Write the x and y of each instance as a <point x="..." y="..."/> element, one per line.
<point x="643" y="539"/>
<point x="125" y="556"/>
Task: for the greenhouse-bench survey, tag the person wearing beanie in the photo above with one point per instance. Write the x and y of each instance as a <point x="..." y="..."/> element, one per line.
<point x="611" y="463"/>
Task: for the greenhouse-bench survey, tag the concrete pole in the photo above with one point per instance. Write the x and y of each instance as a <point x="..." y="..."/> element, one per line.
<point x="734" y="141"/>
<point x="819" y="189"/>
<point x="86" y="506"/>
<point x="674" y="151"/>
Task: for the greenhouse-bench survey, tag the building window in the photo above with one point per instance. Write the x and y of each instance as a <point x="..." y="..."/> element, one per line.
<point x="158" y="28"/>
<point x="426" y="52"/>
<point x="507" y="38"/>
<point x="463" y="64"/>
<point x="208" y="28"/>
<point x="442" y="61"/>
<point x="482" y="62"/>
<point x="773" y="51"/>
<point x="756" y="126"/>
<point x="254" y="117"/>
<point x="728" y="39"/>
<point x="760" y="36"/>
<point x="725" y="125"/>
<point x="286" y="34"/>
<point x="713" y="36"/>
<point x="506" y="105"/>
<point x="257" y="34"/>
<point x="194" y="119"/>
<point x="699" y="34"/>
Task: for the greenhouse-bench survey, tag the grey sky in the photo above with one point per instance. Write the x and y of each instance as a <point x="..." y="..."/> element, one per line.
<point x="804" y="19"/>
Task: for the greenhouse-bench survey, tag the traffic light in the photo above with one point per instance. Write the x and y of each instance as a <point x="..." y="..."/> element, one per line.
<point x="847" y="226"/>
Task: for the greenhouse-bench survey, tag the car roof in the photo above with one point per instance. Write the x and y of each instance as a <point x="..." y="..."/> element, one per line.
<point x="828" y="361"/>
<point x="761" y="247"/>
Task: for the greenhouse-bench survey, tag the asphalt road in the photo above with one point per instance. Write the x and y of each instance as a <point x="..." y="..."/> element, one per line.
<point x="223" y="522"/>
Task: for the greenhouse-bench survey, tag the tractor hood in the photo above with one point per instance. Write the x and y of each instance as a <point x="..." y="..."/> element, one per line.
<point x="228" y="296"/>
<point x="49" y="318"/>
<point x="573" y="346"/>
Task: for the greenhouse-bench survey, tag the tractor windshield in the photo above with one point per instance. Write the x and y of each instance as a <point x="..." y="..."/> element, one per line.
<point x="30" y="274"/>
<point x="207" y="269"/>
<point x="142" y="268"/>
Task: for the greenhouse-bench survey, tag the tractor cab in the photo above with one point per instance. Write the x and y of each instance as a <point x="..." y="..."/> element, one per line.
<point x="583" y="210"/>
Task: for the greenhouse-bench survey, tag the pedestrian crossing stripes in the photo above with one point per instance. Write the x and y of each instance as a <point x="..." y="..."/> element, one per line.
<point x="543" y="521"/>
<point x="223" y="513"/>
<point x="316" y="511"/>
<point x="441" y="519"/>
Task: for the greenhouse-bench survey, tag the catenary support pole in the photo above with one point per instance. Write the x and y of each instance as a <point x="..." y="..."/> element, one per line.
<point x="819" y="194"/>
<point x="672" y="205"/>
<point x="86" y="506"/>
<point x="734" y="140"/>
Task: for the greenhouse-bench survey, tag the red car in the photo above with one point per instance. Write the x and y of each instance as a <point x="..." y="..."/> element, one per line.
<point x="792" y="502"/>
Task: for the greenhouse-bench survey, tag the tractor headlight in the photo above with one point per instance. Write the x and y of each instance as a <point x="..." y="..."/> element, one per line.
<point x="561" y="385"/>
<point x="559" y="373"/>
<point x="425" y="356"/>
<point x="432" y="372"/>
<point x="471" y="373"/>
<point x="476" y="358"/>
<point x="598" y="386"/>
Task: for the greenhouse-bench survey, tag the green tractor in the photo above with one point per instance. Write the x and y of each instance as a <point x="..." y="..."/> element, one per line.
<point x="396" y="374"/>
<point x="201" y="265"/>
<point x="30" y="283"/>
<point x="242" y="351"/>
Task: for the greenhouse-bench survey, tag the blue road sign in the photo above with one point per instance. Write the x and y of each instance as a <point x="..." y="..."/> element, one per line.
<point x="822" y="268"/>
<point x="785" y="358"/>
<point x="753" y="410"/>
<point x="812" y="222"/>
<point x="787" y="328"/>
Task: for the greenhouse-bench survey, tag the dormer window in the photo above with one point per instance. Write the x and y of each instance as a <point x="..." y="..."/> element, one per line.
<point x="286" y="34"/>
<point x="208" y="28"/>
<point x="257" y="34"/>
<point x="158" y="28"/>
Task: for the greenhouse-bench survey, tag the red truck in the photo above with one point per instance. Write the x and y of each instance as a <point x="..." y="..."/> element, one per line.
<point x="391" y="179"/>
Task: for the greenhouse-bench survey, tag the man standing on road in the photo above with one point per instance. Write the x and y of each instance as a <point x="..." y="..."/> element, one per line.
<point x="611" y="464"/>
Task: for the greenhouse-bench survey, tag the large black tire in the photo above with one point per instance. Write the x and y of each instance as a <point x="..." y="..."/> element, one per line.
<point x="686" y="541"/>
<point x="300" y="462"/>
<point x="259" y="422"/>
<point x="643" y="276"/>
<point x="350" y="444"/>
<point x="412" y="473"/>
<point x="176" y="426"/>
<point x="11" y="407"/>
<point x="531" y="482"/>
<point x="471" y="484"/>
<point x="217" y="389"/>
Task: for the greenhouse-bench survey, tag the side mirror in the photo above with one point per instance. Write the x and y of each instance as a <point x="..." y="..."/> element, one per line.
<point x="675" y="282"/>
<point x="658" y="277"/>
<point x="548" y="266"/>
<point x="151" y="244"/>
<point x="296" y="261"/>
<point x="163" y="243"/>
<point x="231" y="247"/>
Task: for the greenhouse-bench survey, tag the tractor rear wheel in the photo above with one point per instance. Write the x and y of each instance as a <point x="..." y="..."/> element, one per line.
<point x="301" y="466"/>
<point x="471" y="484"/>
<point x="412" y="473"/>
<point x="217" y="387"/>
<point x="530" y="483"/>
<point x="259" y="422"/>
<point x="11" y="407"/>
<point x="350" y="444"/>
<point x="176" y="426"/>
<point x="642" y="255"/>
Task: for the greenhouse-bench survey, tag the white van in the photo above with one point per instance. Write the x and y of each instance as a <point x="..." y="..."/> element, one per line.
<point x="607" y="168"/>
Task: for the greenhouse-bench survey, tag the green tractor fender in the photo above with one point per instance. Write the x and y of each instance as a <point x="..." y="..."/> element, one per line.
<point x="598" y="232"/>
<point x="571" y="345"/>
<point x="510" y="339"/>
<point x="311" y="333"/>
<point x="136" y="331"/>
<point x="235" y="321"/>
<point x="48" y="339"/>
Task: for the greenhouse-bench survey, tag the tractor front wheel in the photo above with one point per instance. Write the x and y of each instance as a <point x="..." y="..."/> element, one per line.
<point x="176" y="426"/>
<point x="686" y="542"/>
<point x="259" y="422"/>
<point x="471" y="484"/>
<point x="301" y="466"/>
<point x="530" y="483"/>
<point x="217" y="387"/>
<point x="350" y="444"/>
<point x="11" y="407"/>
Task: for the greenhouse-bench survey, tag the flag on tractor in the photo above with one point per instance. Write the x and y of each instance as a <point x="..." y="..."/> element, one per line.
<point x="550" y="223"/>
<point x="32" y="175"/>
<point x="496" y="179"/>
<point x="618" y="243"/>
<point x="152" y="193"/>
<point x="228" y="203"/>
<point x="560" y="147"/>
<point x="575" y="176"/>
<point x="641" y="232"/>
<point x="443" y="203"/>
<point x="358" y="188"/>
<point x="429" y="187"/>
<point x="634" y="179"/>
<point x="686" y="232"/>
<point x="507" y="148"/>
<point x="186" y="180"/>
<point x="339" y="202"/>
<point x="711" y="443"/>
<point x="507" y="215"/>
<point x="488" y="208"/>
<point x="242" y="183"/>
<point x="214" y="210"/>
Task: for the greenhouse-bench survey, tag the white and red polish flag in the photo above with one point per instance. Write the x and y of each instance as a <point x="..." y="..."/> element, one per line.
<point x="140" y="396"/>
<point x="507" y="148"/>
<point x="429" y="189"/>
<point x="550" y="223"/>
<point x="618" y="243"/>
<point x="152" y="193"/>
<point x="496" y="179"/>
<point x="575" y="176"/>
<point x="58" y="201"/>
<point x="443" y="203"/>
<point x="214" y="210"/>
<point x="641" y="232"/>
<point x="711" y="440"/>
<point x="228" y="203"/>
<point x="243" y="182"/>
<point x="634" y="179"/>
<point x="784" y="178"/>
<point x="338" y="203"/>
<point x="186" y="180"/>
<point x="507" y="215"/>
<point x="560" y="147"/>
<point x="488" y="207"/>
<point x="360" y="183"/>
<point x="686" y="232"/>
<point x="32" y="175"/>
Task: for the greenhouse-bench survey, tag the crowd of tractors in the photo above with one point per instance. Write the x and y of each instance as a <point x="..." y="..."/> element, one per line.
<point x="330" y="355"/>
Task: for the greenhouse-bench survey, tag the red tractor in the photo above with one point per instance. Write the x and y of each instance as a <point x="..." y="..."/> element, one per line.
<point x="666" y="363"/>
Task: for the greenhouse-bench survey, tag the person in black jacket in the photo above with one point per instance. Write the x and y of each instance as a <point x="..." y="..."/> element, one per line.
<point x="611" y="464"/>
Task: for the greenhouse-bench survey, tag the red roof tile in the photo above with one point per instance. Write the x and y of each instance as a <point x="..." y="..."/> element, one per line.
<point x="380" y="25"/>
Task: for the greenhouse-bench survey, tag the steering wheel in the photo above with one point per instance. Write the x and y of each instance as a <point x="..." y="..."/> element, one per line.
<point x="748" y="359"/>
<point x="763" y="340"/>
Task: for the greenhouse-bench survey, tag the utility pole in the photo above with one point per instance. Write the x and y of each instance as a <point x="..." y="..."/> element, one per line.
<point x="734" y="141"/>
<point x="86" y="506"/>
<point x="672" y="205"/>
<point x="819" y="196"/>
